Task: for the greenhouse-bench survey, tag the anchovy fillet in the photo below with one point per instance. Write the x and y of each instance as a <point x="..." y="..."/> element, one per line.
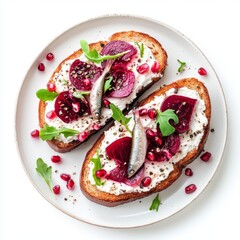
<point x="138" y="149"/>
<point x="97" y="91"/>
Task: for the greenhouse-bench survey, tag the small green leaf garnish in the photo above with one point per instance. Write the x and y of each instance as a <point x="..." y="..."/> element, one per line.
<point x="45" y="171"/>
<point x="45" y="95"/>
<point x="119" y="116"/>
<point x="182" y="66"/>
<point x="163" y="121"/>
<point x="155" y="203"/>
<point x="141" y="48"/>
<point x="107" y="84"/>
<point x="94" y="56"/>
<point x="97" y="166"/>
<point x="49" y="132"/>
<point x="80" y="94"/>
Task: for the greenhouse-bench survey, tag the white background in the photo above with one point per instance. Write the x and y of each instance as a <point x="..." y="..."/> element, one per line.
<point x="28" y="26"/>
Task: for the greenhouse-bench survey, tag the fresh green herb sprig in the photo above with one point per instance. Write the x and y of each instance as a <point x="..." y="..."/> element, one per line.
<point x="155" y="203"/>
<point x="107" y="84"/>
<point x="119" y="116"/>
<point x="45" y="171"/>
<point x="50" y="132"/>
<point x="163" y="121"/>
<point x="80" y="95"/>
<point x="94" y="56"/>
<point x="141" y="48"/>
<point x="45" y="95"/>
<point x="97" y="166"/>
<point x="182" y="66"/>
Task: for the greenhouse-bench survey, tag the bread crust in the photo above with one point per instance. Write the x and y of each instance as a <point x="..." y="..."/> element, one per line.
<point x="130" y="36"/>
<point x="111" y="200"/>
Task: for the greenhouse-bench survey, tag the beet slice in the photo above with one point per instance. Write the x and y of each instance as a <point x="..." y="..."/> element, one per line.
<point x="82" y="75"/>
<point x="183" y="107"/>
<point x="69" y="108"/>
<point x="118" y="46"/>
<point x="122" y="83"/>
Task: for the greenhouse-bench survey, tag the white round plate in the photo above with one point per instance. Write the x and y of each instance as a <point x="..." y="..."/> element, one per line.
<point x="72" y="202"/>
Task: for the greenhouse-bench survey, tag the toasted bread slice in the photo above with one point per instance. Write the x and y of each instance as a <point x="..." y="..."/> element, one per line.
<point x="159" y="54"/>
<point x="103" y="196"/>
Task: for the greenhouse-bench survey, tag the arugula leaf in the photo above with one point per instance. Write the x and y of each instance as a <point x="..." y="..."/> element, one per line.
<point x="119" y="116"/>
<point x="49" y="132"/>
<point x="97" y="166"/>
<point x="141" y="48"/>
<point x="182" y="66"/>
<point x="45" y="171"/>
<point x="107" y="84"/>
<point x="155" y="203"/>
<point x="163" y="121"/>
<point x="80" y="94"/>
<point x="45" y="95"/>
<point x="94" y="56"/>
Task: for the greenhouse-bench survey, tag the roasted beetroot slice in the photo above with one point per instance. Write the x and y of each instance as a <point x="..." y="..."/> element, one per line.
<point x="183" y="107"/>
<point x="82" y="75"/>
<point x="119" y="150"/>
<point x="172" y="144"/>
<point x="119" y="46"/>
<point x="136" y="179"/>
<point x="69" y="108"/>
<point x="118" y="174"/>
<point x="122" y="83"/>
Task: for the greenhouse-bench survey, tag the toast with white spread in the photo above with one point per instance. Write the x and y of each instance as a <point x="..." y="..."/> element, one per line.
<point x="146" y="151"/>
<point x="84" y="86"/>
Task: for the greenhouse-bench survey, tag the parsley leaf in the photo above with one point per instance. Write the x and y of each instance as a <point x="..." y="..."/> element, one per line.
<point x="97" y="166"/>
<point x="155" y="203"/>
<point x="141" y="48"/>
<point x="182" y="66"/>
<point x="45" y="95"/>
<point x="107" y="84"/>
<point x="45" y="171"/>
<point x="163" y="121"/>
<point x="49" y="132"/>
<point x="94" y="56"/>
<point x="119" y="116"/>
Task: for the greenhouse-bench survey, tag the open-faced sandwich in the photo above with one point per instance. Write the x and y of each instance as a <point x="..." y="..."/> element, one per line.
<point x="77" y="100"/>
<point x="145" y="150"/>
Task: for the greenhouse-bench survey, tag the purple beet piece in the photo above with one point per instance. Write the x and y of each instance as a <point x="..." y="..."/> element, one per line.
<point x="69" y="108"/>
<point x="122" y="83"/>
<point x="119" y="46"/>
<point x="82" y="75"/>
<point x="183" y="107"/>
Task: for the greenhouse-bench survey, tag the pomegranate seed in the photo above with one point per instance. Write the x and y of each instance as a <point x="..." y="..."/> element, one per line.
<point x="50" y="57"/>
<point x="56" y="159"/>
<point x="106" y="103"/>
<point x="190" y="188"/>
<point x="96" y="126"/>
<point x="76" y="107"/>
<point x="152" y="113"/>
<point x="101" y="173"/>
<point x="150" y="156"/>
<point x="143" y="68"/>
<point x="56" y="189"/>
<point x="146" y="182"/>
<point x="41" y="67"/>
<point x="51" y="87"/>
<point x="35" y="133"/>
<point x="188" y="172"/>
<point x="87" y="83"/>
<point x="206" y="156"/>
<point x="143" y="112"/>
<point x="70" y="184"/>
<point x="150" y="133"/>
<point x="202" y="71"/>
<point x="158" y="140"/>
<point x="82" y="136"/>
<point x="66" y="177"/>
<point x="155" y="67"/>
<point x="51" y="115"/>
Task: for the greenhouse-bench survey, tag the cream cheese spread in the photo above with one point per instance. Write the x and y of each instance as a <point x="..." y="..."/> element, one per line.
<point x="63" y="83"/>
<point x="157" y="170"/>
